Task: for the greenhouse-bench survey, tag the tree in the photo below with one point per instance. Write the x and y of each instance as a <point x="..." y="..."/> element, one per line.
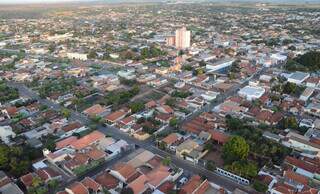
<point x="235" y="149"/>
<point x="290" y="122"/>
<point x="173" y="122"/>
<point x="66" y="113"/>
<point x="233" y="123"/>
<point x="4" y="156"/>
<point x="162" y="145"/>
<point x="136" y="107"/>
<point x="50" y="143"/>
<point x="243" y="168"/>
<point x="259" y="186"/>
<point x="166" y="161"/>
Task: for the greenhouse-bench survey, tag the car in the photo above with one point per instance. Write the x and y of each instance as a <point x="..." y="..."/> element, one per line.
<point x="183" y="180"/>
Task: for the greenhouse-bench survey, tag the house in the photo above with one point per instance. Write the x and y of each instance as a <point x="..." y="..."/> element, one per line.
<point x="124" y="172"/>
<point x="171" y="140"/>
<point x="7" y="186"/>
<point x="107" y="181"/>
<point x="303" y="144"/>
<point x="186" y="147"/>
<point x="309" y="167"/>
<point x="313" y="108"/>
<point x="295" y="180"/>
<point x="164" y="118"/>
<point x="219" y="136"/>
<point x="116" y="148"/>
<point x="71" y="128"/>
<point x="77" y="188"/>
<point x="271" y="136"/>
<point x="141" y="135"/>
<point x="165" y="109"/>
<point x="47" y="174"/>
<point x="152" y="179"/>
<point x="26" y="180"/>
<point x="307" y="93"/>
<point x="10" y="111"/>
<point x="95" y="110"/>
<point x="10" y="188"/>
<point x="195" y="185"/>
<point x="91" y="185"/>
<point x="88" y="140"/>
<point x="116" y="116"/>
<point x="312" y="82"/>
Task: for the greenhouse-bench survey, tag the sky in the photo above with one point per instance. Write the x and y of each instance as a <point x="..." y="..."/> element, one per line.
<point x="61" y="1"/>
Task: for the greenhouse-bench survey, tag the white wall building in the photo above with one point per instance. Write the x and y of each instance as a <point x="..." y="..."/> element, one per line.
<point x="6" y="133"/>
<point x="79" y="56"/>
<point x="219" y="65"/>
<point x="251" y="92"/>
<point x="298" y="77"/>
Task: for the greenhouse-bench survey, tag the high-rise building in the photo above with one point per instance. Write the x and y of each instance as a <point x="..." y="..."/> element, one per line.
<point x="183" y="38"/>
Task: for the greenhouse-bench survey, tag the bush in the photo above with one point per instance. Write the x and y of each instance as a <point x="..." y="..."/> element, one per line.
<point x="259" y="186"/>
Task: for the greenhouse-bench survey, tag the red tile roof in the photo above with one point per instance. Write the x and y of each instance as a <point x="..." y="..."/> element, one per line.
<point x="78" y="188"/>
<point x="90" y="184"/>
<point x="27" y="179"/>
<point x="87" y="140"/>
<point x="107" y="180"/>
<point x="292" y="176"/>
<point x="65" y="142"/>
<point x="170" y="139"/>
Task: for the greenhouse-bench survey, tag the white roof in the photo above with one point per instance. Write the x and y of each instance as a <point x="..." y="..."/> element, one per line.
<point x="39" y="165"/>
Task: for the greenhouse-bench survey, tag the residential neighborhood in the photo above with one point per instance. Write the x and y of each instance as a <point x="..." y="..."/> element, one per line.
<point x="160" y="97"/>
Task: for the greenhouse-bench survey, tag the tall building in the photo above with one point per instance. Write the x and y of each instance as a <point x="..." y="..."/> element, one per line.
<point x="183" y="38"/>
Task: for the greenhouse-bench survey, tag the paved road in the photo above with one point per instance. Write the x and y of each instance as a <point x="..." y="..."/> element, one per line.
<point x="148" y="145"/>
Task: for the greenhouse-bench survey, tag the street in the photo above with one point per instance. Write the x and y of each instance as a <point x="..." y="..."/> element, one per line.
<point x="149" y="145"/>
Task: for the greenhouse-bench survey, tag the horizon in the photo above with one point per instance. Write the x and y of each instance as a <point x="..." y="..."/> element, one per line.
<point x="13" y="2"/>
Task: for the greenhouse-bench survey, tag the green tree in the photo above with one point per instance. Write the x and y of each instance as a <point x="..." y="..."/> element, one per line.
<point x="259" y="186"/>
<point x="290" y="122"/>
<point x="50" y="143"/>
<point x="166" y="161"/>
<point x="162" y="145"/>
<point x="4" y="156"/>
<point x="136" y="107"/>
<point x="173" y="122"/>
<point x="66" y="113"/>
<point x="235" y="149"/>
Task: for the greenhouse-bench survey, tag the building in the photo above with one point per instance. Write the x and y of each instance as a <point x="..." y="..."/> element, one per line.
<point x="219" y="65"/>
<point x="251" y="92"/>
<point x="171" y="40"/>
<point x="78" y="56"/>
<point x="298" y="77"/>
<point x="183" y="38"/>
<point x="6" y="134"/>
<point x="307" y="93"/>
